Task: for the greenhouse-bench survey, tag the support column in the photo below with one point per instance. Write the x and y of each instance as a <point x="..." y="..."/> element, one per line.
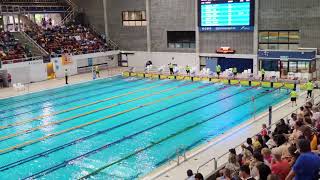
<point x="14" y="22"/>
<point x="197" y="35"/>
<point x="19" y="23"/>
<point x="148" y="25"/>
<point x="256" y="38"/>
<point x="105" y="15"/>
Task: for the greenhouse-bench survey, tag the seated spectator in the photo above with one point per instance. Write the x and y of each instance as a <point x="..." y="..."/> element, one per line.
<point x="271" y="142"/>
<point x="74" y="39"/>
<point x="198" y="176"/>
<point x="280" y="167"/>
<point x="311" y="136"/>
<point x="296" y="133"/>
<point x="282" y="146"/>
<point x="263" y="171"/>
<point x="292" y="121"/>
<point x="307" y="165"/>
<point x="233" y="164"/>
<point x="293" y="155"/>
<point x="273" y="177"/>
<point x="257" y="160"/>
<point x="257" y="146"/>
<point x="264" y="130"/>
<point x="266" y="153"/>
<point x="11" y="49"/>
<point x="190" y="175"/>
<point x="250" y="146"/>
<point x="301" y="112"/>
<point x="281" y="128"/>
<point x="226" y="174"/>
<point x="246" y="156"/>
<point x="245" y="173"/>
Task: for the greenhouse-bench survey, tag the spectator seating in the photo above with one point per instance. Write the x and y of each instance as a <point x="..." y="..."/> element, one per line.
<point x="292" y="149"/>
<point x="72" y="39"/>
<point x="11" y="49"/>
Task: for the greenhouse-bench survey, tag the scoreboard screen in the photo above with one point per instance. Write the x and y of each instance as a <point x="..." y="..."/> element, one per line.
<point x="226" y="15"/>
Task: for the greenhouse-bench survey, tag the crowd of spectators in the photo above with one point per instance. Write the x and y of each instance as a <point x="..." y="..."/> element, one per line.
<point x="290" y="151"/>
<point x="11" y="49"/>
<point x="71" y="39"/>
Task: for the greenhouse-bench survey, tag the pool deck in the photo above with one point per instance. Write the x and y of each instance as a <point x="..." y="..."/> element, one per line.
<point x="59" y="82"/>
<point x="220" y="145"/>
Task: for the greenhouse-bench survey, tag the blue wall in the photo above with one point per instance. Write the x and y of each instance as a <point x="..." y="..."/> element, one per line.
<point x="240" y="64"/>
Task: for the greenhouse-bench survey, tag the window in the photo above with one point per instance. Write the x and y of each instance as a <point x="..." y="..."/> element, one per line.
<point x="269" y="65"/>
<point x="283" y="37"/>
<point x="134" y="18"/>
<point x="279" y="40"/>
<point x="303" y="66"/>
<point x="273" y="37"/>
<point x="293" y="66"/>
<point x="181" y="39"/>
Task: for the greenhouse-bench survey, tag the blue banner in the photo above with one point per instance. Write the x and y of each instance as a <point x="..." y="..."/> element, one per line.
<point x="226" y="28"/>
<point x="287" y="55"/>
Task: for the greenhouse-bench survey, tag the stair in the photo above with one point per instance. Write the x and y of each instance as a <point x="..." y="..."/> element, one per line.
<point x="70" y="12"/>
<point x="35" y="49"/>
<point x="25" y="20"/>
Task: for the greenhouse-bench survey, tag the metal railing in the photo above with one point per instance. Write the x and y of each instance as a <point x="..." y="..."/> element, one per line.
<point x="71" y="11"/>
<point x="180" y="152"/>
<point x="82" y="53"/>
<point x="24" y="9"/>
<point x="12" y="61"/>
<point x="215" y="160"/>
<point x="43" y="51"/>
<point x="109" y="42"/>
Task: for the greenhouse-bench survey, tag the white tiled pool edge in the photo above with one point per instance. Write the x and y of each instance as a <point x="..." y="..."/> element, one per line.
<point x="55" y="83"/>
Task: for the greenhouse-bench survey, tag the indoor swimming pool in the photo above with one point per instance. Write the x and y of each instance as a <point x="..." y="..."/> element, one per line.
<point x="118" y="128"/>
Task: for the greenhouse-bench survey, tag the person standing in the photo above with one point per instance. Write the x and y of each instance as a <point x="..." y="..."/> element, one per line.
<point x="294" y="96"/>
<point x="218" y="70"/>
<point x="66" y="75"/>
<point x="97" y="71"/>
<point x="235" y="72"/>
<point x="309" y="86"/>
<point x="171" y="69"/>
<point x="188" y="68"/>
<point x="262" y="74"/>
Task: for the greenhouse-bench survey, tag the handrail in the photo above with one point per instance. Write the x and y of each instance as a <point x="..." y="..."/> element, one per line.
<point x="89" y="52"/>
<point x="215" y="159"/>
<point x="110" y="43"/>
<point x="44" y="52"/>
<point x="11" y="61"/>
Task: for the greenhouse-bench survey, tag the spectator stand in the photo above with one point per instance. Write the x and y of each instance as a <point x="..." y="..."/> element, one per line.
<point x="199" y="158"/>
<point x="217" y="163"/>
<point x="71" y="39"/>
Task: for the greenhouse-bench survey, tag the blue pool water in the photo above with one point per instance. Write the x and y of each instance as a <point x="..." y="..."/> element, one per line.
<point x="119" y="128"/>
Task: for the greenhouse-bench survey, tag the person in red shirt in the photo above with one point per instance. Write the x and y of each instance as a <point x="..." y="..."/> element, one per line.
<point x="264" y="130"/>
<point x="280" y="167"/>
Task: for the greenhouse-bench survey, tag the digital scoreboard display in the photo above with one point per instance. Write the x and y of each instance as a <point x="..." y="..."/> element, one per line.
<point x="226" y="15"/>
